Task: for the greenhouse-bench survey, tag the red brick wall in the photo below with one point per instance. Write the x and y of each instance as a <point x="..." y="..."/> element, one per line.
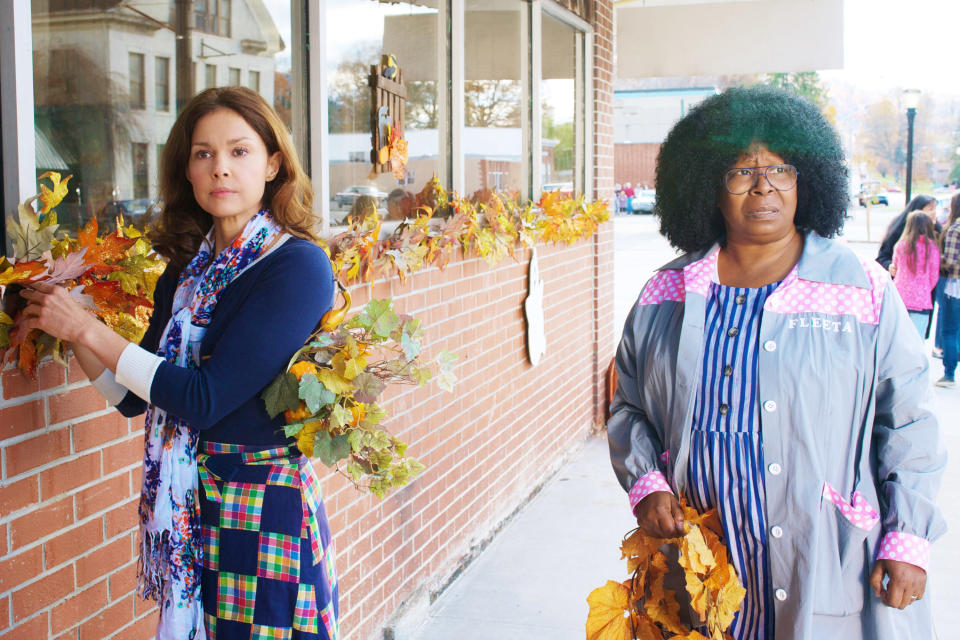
<point x="636" y="163"/>
<point x="70" y="466"/>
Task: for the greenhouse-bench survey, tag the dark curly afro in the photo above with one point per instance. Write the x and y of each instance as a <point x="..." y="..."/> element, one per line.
<point x="707" y="142"/>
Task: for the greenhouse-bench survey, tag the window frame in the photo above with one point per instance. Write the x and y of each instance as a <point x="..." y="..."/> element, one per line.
<point x="161" y="88"/>
<point x="138" y="102"/>
<point x="583" y="88"/>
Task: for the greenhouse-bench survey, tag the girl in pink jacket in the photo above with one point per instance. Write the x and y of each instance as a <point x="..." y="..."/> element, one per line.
<point x="916" y="267"/>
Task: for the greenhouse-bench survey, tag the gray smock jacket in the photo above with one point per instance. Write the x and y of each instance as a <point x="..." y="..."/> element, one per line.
<point x="842" y="381"/>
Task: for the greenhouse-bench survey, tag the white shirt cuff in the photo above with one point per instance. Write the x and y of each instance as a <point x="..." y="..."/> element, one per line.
<point x="109" y="388"/>
<point x="136" y="368"/>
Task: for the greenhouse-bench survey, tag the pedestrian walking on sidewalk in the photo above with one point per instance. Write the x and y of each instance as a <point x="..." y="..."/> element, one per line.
<point x="894" y="230"/>
<point x="916" y="268"/>
<point x="234" y="537"/>
<point x="774" y="375"/>
<point x="950" y="297"/>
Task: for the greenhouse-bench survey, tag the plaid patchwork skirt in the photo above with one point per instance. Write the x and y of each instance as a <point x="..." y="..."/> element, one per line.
<point x="267" y="558"/>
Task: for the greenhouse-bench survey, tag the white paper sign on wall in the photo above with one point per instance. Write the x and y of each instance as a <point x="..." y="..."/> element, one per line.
<point x="533" y="310"/>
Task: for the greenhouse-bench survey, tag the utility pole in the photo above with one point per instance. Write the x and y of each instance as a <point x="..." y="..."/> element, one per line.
<point x="183" y="61"/>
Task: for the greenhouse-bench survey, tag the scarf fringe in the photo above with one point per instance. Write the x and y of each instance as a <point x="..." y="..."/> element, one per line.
<point x="153" y="565"/>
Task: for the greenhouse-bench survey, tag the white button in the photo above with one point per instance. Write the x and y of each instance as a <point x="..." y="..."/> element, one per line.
<point x="775" y="469"/>
<point x="769" y="345"/>
<point x="776" y="532"/>
<point x="770" y="406"/>
<point x="781" y="594"/>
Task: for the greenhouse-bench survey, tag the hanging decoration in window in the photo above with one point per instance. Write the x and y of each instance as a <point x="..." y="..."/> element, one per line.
<point x="389" y="152"/>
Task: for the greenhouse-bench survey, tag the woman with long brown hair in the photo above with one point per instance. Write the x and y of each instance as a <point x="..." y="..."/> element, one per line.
<point x="916" y="267"/>
<point x="234" y="537"/>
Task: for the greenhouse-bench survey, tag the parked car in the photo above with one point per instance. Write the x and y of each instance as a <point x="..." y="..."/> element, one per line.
<point x="562" y="187"/>
<point x="872" y="193"/>
<point x="643" y="200"/>
<point x="347" y="197"/>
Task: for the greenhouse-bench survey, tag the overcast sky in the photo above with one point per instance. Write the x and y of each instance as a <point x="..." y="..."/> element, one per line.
<point x="902" y="43"/>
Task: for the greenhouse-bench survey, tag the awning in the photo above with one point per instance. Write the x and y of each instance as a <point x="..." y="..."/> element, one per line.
<point x="657" y="38"/>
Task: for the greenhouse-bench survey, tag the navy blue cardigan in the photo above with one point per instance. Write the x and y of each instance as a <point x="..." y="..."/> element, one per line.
<point x="261" y="319"/>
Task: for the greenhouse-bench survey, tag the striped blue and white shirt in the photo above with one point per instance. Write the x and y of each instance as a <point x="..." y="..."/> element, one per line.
<point x="726" y="455"/>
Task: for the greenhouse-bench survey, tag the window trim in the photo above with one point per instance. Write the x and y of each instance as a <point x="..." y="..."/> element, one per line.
<point x="139" y="102"/>
<point x="582" y="91"/>
<point x="16" y="77"/>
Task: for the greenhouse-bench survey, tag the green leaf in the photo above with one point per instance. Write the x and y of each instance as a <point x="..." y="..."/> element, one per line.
<point x="329" y="449"/>
<point x="339" y="417"/>
<point x="291" y="430"/>
<point x="355" y="470"/>
<point x="313" y="393"/>
<point x="367" y="387"/>
<point x="420" y="375"/>
<point x="445" y="376"/>
<point x="410" y="346"/>
<point x="378" y="316"/>
<point x="375" y="414"/>
<point x="355" y="438"/>
<point x="323" y="340"/>
<point x="281" y="394"/>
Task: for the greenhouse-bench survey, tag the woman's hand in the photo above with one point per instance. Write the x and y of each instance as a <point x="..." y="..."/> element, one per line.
<point x="659" y="515"/>
<point x="54" y="311"/>
<point x="906" y="585"/>
<point x="893" y="270"/>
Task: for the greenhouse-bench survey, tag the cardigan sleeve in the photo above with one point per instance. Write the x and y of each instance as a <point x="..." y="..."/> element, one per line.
<point x="278" y="314"/>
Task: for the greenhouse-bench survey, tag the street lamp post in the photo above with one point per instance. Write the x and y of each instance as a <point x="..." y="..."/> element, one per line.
<point x="911" y="98"/>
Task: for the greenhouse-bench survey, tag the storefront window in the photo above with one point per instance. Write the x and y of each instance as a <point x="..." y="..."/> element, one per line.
<point x="409" y="32"/>
<point x="560" y="108"/>
<point x="105" y="88"/>
<point x="493" y="134"/>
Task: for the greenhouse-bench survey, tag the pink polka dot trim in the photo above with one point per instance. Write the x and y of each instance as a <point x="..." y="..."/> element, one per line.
<point x="647" y="484"/>
<point x="905" y="547"/>
<point x="860" y="514"/>
<point x="663" y="286"/>
<point x="673" y="284"/>
<point x="796" y="295"/>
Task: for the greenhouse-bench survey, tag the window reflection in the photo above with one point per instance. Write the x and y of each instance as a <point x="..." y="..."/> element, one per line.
<point x="559" y="106"/>
<point x="105" y="88"/>
<point x="408" y="31"/>
<point x="493" y="135"/>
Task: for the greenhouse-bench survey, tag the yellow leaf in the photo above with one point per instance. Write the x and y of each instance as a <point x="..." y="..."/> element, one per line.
<point x="5" y="319"/>
<point x="334" y="382"/>
<point x="51" y="198"/>
<point x="609" y="617"/>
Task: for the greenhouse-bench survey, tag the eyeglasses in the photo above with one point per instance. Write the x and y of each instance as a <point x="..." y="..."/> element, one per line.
<point x="781" y="177"/>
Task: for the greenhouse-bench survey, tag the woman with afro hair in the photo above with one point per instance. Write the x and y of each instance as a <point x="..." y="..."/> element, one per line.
<point x="773" y="375"/>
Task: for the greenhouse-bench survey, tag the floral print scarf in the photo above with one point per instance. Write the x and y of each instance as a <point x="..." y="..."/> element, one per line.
<point x="171" y="552"/>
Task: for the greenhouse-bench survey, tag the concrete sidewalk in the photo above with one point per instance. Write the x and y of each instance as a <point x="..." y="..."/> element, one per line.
<point x="532" y="582"/>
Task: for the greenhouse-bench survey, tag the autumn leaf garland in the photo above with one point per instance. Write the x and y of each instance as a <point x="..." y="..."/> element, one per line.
<point x="328" y="394"/>
<point x="490" y="225"/>
<point x="642" y="608"/>
<point x="112" y="275"/>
